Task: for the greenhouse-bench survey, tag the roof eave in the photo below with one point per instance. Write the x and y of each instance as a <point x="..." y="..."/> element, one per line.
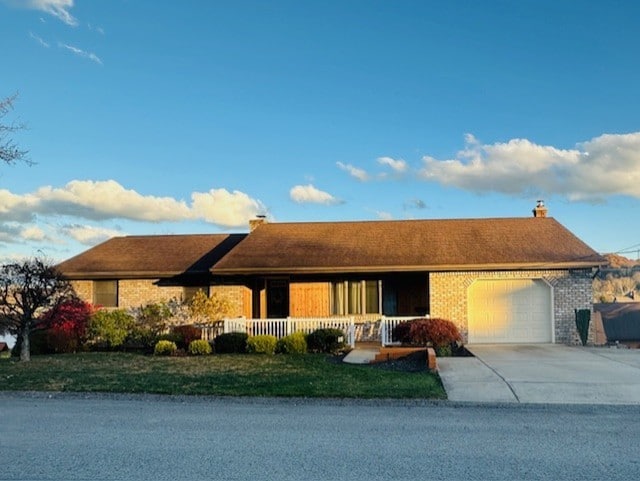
<point x="413" y="268"/>
<point x="75" y="276"/>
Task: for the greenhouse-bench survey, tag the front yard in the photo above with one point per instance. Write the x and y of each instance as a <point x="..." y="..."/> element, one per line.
<point x="311" y="375"/>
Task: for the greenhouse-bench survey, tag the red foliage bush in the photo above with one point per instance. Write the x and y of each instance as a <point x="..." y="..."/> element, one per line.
<point x="437" y="332"/>
<point x="402" y="332"/>
<point x="185" y="334"/>
<point x="66" y="325"/>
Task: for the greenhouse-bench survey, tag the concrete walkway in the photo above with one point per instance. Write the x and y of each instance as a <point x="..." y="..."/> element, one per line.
<point x="543" y="373"/>
<point x="361" y="355"/>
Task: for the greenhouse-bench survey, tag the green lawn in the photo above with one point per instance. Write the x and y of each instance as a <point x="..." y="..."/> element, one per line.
<point x="312" y="375"/>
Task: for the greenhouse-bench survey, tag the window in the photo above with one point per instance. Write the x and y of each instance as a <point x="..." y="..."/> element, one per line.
<point x="355" y="297"/>
<point x="105" y="293"/>
<point x="189" y="291"/>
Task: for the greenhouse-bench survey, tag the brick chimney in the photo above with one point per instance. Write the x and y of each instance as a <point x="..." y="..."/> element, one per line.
<point x="540" y="210"/>
<point x="258" y="221"/>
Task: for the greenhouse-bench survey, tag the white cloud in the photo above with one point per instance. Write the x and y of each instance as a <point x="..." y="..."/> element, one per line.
<point x="99" y="200"/>
<point x="229" y="209"/>
<point x="57" y="8"/>
<point x="359" y="174"/>
<point x="89" y="235"/>
<point x="81" y="53"/>
<point x="603" y="166"/>
<point x="32" y="233"/>
<point x="39" y="40"/>
<point x="102" y="200"/>
<point x="308" y="194"/>
<point x="399" y="166"/>
<point x="382" y="215"/>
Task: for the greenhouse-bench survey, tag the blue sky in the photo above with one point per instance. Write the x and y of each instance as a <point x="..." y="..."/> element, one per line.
<point x="151" y="117"/>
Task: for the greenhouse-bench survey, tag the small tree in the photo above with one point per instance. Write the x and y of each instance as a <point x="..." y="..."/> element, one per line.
<point x="27" y="290"/>
<point x="206" y="310"/>
<point x="10" y="153"/>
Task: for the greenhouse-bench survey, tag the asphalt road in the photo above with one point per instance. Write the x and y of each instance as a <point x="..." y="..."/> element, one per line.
<point x="153" y="438"/>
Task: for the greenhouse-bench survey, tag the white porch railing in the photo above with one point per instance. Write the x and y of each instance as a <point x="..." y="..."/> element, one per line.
<point x="387" y="324"/>
<point x="289" y="325"/>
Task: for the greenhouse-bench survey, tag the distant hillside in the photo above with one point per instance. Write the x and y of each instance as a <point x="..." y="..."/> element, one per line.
<point x="617" y="261"/>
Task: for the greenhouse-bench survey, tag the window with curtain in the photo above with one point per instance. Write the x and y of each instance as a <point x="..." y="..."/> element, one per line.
<point x="355" y="297"/>
<point x="105" y="293"/>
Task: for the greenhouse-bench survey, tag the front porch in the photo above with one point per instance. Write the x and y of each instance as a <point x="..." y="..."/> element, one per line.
<point x="378" y="331"/>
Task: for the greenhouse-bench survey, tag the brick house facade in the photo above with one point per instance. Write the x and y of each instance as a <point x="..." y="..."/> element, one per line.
<point x="499" y="280"/>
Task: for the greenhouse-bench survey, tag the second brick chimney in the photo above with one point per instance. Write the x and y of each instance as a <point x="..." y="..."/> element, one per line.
<point x="257" y="222"/>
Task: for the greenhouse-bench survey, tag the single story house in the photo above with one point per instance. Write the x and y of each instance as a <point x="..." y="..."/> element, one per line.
<point x="500" y="280"/>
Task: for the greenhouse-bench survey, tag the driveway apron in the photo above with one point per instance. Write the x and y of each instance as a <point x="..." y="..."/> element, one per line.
<point x="543" y="373"/>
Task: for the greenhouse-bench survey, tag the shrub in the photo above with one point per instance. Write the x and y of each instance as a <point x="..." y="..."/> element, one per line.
<point x="262" y="344"/>
<point x="154" y="317"/>
<point x="326" y="340"/>
<point x="150" y="321"/>
<point x="165" y="348"/>
<point x="443" y="351"/>
<point x="402" y="332"/>
<point x="231" y="342"/>
<point x="436" y="332"/>
<point x="199" y="347"/>
<point x="66" y="325"/>
<point x="109" y="329"/>
<point x="185" y="335"/>
<point x="295" y="343"/>
<point x="583" y="318"/>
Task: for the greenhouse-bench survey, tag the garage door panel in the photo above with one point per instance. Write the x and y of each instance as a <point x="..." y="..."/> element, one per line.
<point x="514" y="310"/>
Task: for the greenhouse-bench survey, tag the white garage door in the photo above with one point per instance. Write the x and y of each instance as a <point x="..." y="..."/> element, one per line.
<point x="514" y="310"/>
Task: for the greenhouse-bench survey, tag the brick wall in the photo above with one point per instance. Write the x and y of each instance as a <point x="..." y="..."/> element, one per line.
<point x="139" y="292"/>
<point x="572" y="289"/>
<point x="83" y="289"/>
<point x="239" y="297"/>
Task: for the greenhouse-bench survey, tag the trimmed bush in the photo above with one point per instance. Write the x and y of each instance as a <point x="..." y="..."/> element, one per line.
<point x="295" y="343"/>
<point x="230" y="342"/>
<point x="439" y="333"/>
<point x="328" y="341"/>
<point x="262" y="344"/>
<point x="199" y="347"/>
<point x="109" y="329"/>
<point x="165" y="348"/>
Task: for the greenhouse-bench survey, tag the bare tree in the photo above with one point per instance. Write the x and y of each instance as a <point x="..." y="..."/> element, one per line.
<point x="28" y="289"/>
<point x="10" y="153"/>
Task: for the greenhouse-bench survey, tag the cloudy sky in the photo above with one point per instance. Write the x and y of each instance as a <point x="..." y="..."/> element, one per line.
<point x="193" y="116"/>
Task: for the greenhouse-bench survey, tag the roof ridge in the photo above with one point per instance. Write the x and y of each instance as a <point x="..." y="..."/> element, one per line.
<point x="388" y="221"/>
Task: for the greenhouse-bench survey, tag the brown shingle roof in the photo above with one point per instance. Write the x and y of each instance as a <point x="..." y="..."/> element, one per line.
<point x="437" y="245"/>
<point x="150" y="256"/>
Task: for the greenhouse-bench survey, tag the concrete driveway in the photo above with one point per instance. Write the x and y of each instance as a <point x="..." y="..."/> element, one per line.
<point x="543" y="373"/>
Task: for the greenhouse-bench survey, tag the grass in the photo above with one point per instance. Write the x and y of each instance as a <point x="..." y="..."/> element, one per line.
<point x="312" y="375"/>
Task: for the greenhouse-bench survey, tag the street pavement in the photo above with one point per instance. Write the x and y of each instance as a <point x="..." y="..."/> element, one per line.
<point x="102" y="437"/>
<point x="543" y="373"/>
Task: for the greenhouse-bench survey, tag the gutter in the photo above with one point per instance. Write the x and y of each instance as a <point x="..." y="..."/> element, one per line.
<point x="417" y="268"/>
